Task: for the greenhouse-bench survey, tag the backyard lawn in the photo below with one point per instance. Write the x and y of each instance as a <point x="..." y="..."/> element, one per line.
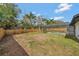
<point x="50" y="43"/>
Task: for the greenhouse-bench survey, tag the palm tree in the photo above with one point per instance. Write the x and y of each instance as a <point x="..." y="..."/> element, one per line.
<point x="49" y="21"/>
<point x="28" y="18"/>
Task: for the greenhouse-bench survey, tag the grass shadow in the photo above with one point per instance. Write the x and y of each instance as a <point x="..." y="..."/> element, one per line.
<point x="72" y="37"/>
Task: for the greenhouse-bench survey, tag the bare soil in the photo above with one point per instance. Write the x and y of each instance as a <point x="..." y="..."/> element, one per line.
<point x="11" y="47"/>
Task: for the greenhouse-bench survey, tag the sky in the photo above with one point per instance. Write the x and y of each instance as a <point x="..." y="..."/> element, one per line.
<point x="57" y="11"/>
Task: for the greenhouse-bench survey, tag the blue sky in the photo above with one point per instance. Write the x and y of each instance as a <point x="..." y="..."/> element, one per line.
<point x="57" y="11"/>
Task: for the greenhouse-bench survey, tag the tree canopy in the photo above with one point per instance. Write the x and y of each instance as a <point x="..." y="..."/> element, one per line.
<point x="8" y="15"/>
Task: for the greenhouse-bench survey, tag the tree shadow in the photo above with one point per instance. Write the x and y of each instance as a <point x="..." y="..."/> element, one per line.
<point x="11" y="47"/>
<point x="72" y="37"/>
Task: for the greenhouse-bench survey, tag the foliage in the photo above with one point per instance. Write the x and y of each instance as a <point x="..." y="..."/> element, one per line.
<point x="28" y="18"/>
<point x="8" y="15"/>
<point x="8" y="18"/>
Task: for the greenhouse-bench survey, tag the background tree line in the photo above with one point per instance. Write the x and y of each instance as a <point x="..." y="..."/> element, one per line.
<point x="9" y="18"/>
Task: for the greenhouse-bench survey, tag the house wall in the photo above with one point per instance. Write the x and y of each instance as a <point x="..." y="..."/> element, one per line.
<point x="70" y="30"/>
<point x="77" y="30"/>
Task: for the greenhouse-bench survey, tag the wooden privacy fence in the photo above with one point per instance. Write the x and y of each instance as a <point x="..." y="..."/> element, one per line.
<point x="57" y="29"/>
<point x="48" y="29"/>
<point x="2" y="33"/>
<point x="19" y="31"/>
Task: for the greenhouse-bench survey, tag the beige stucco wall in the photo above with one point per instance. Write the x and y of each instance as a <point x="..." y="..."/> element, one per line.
<point x="77" y="30"/>
<point x="70" y="30"/>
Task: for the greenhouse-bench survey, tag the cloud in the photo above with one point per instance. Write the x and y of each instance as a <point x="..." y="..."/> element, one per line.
<point x="51" y="18"/>
<point x="38" y="14"/>
<point x="63" y="7"/>
<point x="58" y="18"/>
<point x="34" y="12"/>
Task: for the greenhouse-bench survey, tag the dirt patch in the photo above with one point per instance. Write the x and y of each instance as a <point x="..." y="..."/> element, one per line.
<point x="40" y="37"/>
<point x="11" y="47"/>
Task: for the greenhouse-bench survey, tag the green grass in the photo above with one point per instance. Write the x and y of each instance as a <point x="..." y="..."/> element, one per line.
<point x="50" y="44"/>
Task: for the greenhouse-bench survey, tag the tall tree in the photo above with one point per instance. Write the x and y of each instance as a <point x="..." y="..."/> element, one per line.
<point x="29" y="18"/>
<point x="50" y="21"/>
<point x="8" y="14"/>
